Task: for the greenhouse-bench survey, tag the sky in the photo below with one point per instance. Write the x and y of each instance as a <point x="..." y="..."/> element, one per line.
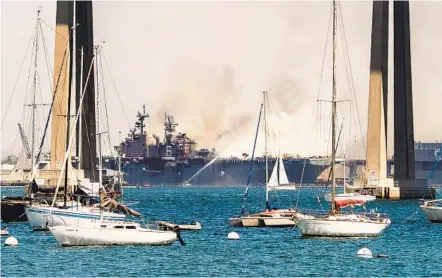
<point x="207" y="63"/>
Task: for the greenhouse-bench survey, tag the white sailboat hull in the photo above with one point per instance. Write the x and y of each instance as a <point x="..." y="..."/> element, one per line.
<point x="251" y="221"/>
<point x="433" y="214"/>
<point x="40" y="217"/>
<point x="272" y="218"/>
<point x="333" y="227"/>
<point x="350" y="196"/>
<point x="88" y="236"/>
<point x="235" y="221"/>
<point x="278" y="222"/>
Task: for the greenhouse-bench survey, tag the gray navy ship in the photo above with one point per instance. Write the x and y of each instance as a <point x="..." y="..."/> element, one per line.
<point x="425" y="154"/>
<point x="148" y="160"/>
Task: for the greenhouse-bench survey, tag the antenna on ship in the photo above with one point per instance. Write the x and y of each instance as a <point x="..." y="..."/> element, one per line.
<point x="141" y="116"/>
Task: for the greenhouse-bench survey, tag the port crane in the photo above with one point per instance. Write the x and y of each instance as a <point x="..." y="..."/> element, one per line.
<point x="25" y="142"/>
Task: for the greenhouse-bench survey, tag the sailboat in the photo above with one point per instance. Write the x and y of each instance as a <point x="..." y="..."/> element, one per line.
<point x="270" y="217"/>
<point x="433" y="209"/>
<point x="103" y="231"/>
<point x="335" y="223"/>
<point x="349" y="195"/>
<point x="40" y="216"/>
<point x="24" y="170"/>
<point x="278" y="179"/>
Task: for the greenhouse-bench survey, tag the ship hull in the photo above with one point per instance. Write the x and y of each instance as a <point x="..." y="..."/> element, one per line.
<point x="13" y="209"/>
<point x="222" y="173"/>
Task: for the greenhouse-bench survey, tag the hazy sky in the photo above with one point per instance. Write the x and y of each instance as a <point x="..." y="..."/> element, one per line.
<point x="207" y="63"/>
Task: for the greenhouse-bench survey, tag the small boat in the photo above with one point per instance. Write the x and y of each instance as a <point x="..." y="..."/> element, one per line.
<point x="13" y="208"/>
<point x="112" y="233"/>
<point x="350" y="196"/>
<point x="433" y="210"/>
<point x="4" y="232"/>
<point x="269" y="218"/>
<point x="186" y="184"/>
<point x="167" y="226"/>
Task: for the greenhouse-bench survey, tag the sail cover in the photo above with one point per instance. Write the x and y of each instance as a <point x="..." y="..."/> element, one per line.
<point x="112" y="205"/>
<point x="348" y="203"/>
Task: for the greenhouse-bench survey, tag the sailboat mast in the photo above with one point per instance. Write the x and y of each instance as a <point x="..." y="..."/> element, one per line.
<point x="74" y="59"/>
<point x="97" y="100"/>
<point x="100" y="174"/>
<point x="278" y="165"/>
<point x="333" y="209"/>
<point x="81" y="110"/>
<point x="345" y="156"/>
<point x="34" y="106"/>
<point x="265" y="149"/>
<point x="68" y="116"/>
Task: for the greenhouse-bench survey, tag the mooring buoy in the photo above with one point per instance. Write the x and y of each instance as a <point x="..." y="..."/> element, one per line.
<point x="11" y="241"/>
<point x="233" y="236"/>
<point x="364" y="252"/>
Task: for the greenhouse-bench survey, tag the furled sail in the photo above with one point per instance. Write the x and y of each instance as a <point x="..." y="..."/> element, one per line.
<point x="348" y="203"/>
<point x="115" y="206"/>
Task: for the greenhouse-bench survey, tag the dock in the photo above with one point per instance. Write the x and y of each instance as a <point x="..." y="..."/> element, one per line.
<point x="399" y="190"/>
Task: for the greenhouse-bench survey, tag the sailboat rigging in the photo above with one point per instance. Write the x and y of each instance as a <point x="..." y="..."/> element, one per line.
<point x="348" y="195"/>
<point x="270" y="217"/>
<point x="336" y="223"/>
<point x="77" y="212"/>
<point x="109" y="231"/>
<point x="29" y="163"/>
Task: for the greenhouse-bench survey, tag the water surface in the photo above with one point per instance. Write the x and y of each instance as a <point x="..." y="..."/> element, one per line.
<point x="412" y="244"/>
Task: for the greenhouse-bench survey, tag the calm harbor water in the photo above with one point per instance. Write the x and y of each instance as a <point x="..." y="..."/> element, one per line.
<point x="412" y="244"/>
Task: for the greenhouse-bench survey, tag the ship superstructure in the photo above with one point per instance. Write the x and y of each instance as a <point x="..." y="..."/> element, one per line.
<point x="175" y="147"/>
<point x="147" y="159"/>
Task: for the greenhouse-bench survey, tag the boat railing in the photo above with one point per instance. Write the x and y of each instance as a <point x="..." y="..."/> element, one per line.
<point x="51" y="218"/>
<point x="322" y="213"/>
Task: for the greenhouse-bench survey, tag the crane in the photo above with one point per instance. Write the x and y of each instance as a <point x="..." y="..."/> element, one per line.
<point x="24" y="139"/>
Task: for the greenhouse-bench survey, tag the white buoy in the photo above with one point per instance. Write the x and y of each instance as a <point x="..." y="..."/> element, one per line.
<point x="365" y="253"/>
<point x="233" y="236"/>
<point x="11" y="241"/>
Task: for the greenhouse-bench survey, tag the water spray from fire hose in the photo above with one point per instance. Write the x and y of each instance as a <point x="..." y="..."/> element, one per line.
<point x="200" y="170"/>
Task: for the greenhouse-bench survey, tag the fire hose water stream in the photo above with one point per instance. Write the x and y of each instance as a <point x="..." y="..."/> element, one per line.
<point x="200" y="170"/>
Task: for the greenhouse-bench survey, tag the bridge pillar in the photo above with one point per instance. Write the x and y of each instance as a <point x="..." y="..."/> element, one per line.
<point x="403" y="97"/>
<point x="376" y="166"/>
